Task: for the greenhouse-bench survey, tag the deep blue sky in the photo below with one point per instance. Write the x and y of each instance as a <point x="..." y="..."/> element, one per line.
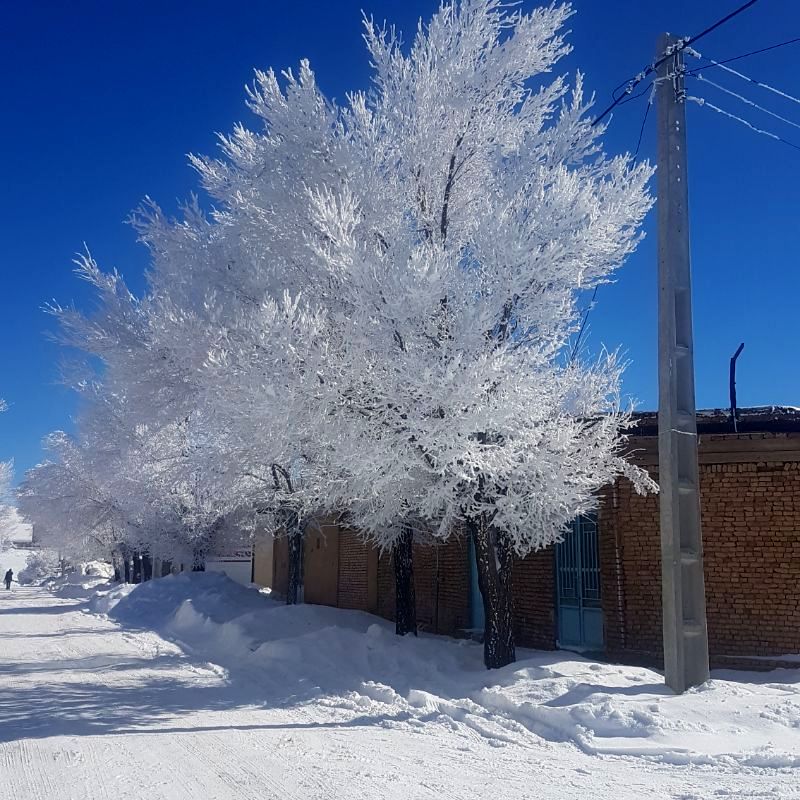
<point x="102" y="100"/>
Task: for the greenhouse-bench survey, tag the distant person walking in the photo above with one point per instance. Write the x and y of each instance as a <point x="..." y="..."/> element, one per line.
<point x="8" y="578"/>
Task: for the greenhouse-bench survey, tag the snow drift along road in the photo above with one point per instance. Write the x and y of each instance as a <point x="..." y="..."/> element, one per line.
<point x="239" y="698"/>
<point x="351" y="662"/>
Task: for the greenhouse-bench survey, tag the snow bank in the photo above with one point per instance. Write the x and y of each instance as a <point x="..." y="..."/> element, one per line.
<point x="352" y="666"/>
<point x="98" y="569"/>
<point x="83" y="582"/>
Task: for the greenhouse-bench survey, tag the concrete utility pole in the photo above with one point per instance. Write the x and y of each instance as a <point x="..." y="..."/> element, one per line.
<point x="682" y="580"/>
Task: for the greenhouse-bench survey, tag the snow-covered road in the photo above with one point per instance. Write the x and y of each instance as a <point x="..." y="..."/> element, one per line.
<point x="90" y="708"/>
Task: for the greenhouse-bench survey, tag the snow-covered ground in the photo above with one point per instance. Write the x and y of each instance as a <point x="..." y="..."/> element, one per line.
<point x="14" y="558"/>
<point x="195" y="687"/>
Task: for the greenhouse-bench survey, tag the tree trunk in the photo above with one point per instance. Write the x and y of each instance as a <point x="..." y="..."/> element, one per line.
<point x="405" y="607"/>
<point x="494" y="557"/>
<point x="137" y="568"/>
<point x="295" y="542"/>
<point x="126" y="568"/>
<point x="198" y="561"/>
<point x="147" y="567"/>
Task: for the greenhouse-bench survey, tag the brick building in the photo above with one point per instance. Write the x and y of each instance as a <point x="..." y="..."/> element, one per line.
<point x="600" y="590"/>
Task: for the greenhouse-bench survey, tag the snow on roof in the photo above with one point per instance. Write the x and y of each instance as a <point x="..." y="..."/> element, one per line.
<point x="752" y="419"/>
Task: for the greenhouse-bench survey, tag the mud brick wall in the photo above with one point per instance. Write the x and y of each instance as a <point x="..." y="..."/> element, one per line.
<point x="353" y="571"/>
<point x="630" y="572"/>
<point x="385" y="586"/>
<point x="751" y="535"/>
<point x="453" y="586"/>
<point x="534" y="600"/>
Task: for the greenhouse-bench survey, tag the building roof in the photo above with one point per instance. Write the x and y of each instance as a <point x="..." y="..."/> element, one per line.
<point x="756" y="419"/>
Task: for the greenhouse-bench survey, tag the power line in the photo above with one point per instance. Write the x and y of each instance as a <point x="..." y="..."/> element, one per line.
<point x="745" y="77"/>
<point x="747" y="55"/>
<point x="583" y="325"/>
<point x="644" y="120"/>
<point x="626" y="97"/>
<point x="682" y="44"/>
<point x="652" y="87"/>
<point x="743" y="99"/>
<point x="637" y="95"/>
<point x="716" y="25"/>
<point x="707" y="104"/>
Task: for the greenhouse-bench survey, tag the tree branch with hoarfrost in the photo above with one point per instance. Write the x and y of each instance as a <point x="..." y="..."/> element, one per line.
<point x="375" y="320"/>
<point x="477" y="205"/>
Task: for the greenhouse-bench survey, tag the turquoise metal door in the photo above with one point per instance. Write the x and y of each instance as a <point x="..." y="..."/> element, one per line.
<point x="580" y="613"/>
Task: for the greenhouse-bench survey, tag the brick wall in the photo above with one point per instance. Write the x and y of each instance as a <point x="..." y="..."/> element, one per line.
<point x="534" y="600"/>
<point x="453" y="586"/>
<point x="630" y="570"/>
<point x="385" y="586"/>
<point x="353" y="571"/>
<point x="751" y="530"/>
<point x="452" y="601"/>
<point x="534" y="613"/>
<point x="751" y="534"/>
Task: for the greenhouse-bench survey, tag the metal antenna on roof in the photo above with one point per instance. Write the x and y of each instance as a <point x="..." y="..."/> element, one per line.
<point x="734" y="413"/>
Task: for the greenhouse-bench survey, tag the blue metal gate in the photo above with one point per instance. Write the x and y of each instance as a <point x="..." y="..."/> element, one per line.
<point x="580" y="614"/>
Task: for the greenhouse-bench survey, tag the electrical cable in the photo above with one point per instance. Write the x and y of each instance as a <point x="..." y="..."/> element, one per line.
<point x="626" y="97"/>
<point x="637" y="95"/>
<point x="747" y="55"/>
<point x="644" y="121"/>
<point x="743" y="99"/>
<point x="681" y="44"/>
<point x="583" y="325"/>
<point x="745" y="77"/>
<point x="708" y="104"/>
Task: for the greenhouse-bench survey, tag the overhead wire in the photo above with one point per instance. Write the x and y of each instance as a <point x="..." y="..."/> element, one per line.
<point x="652" y="87"/>
<point x="682" y="44"/>
<point x="741" y="75"/>
<point x="701" y="101"/>
<point x="583" y="325"/>
<point x="637" y="95"/>
<point x="644" y="120"/>
<point x="744" y="99"/>
<point x="628" y="95"/>
<point x="722" y="61"/>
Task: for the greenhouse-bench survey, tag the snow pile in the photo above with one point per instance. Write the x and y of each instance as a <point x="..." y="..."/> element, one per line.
<point x="39" y="565"/>
<point x="99" y="569"/>
<point x="82" y="582"/>
<point x="350" y="665"/>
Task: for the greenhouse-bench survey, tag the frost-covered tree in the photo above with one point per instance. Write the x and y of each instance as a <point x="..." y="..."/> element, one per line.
<point x="7" y="511"/>
<point x="39" y="565"/>
<point x="374" y="319"/>
<point x="475" y="207"/>
<point x="6" y="468"/>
